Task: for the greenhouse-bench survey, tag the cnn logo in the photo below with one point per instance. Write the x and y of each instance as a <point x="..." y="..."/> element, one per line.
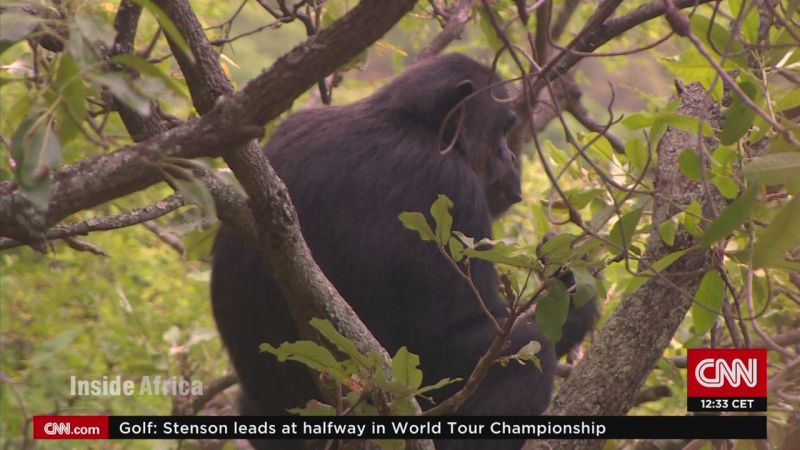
<point x="714" y="373"/>
<point x="727" y="373"/>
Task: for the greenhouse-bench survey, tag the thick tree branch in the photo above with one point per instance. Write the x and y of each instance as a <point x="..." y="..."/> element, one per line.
<point x="280" y="240"/>
<point x="97" y="180"/>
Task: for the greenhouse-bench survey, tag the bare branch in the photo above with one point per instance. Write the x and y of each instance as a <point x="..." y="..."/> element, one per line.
<point x="85" y="227"/>
<point x="457" y="18"/>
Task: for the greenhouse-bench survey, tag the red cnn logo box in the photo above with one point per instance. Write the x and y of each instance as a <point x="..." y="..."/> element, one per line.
<point x="727" y="373"/>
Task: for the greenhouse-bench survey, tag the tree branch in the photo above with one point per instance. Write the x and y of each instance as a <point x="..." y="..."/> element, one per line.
<point x="286" y="254"/>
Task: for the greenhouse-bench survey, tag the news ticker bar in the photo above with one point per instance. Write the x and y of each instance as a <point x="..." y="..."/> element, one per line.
<point x="442" y="427"/>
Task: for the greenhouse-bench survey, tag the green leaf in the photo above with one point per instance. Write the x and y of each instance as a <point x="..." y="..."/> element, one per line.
<point x="501" y="253"/>
<point x="726" y="186"/>
<point x="708" y="302"/>
<point x="194" y="190"/>
<point x="69" y="84"/>
<point x="667" y="230"/>
<point x="692" y="67"/>
<point x="343" y="344"/>
<point x="198" y="243"/>
<point x="145" y="68"/>
<point x="314" y="408"/>
<point x="456" y="249"/>
<point x="15" y="25"/>
<point x="169" y="28"/>
<point x="415" y="221"/>
<point x="780" y="236"/>
<point x="773" y="169"/>
<point x="36" y="151"/>
<point x="557" y="250"/>
<point x="529" y="352"/>
<point x="311" y="354"/>
<point x="733" y="216"/>
<point x="670" y="371"/>
<point x="438" y="385"/>
<point x="405" y="368"/>
<point x="658" y="267"/>
<point x="715" y="36"/>
<point x="636" y="152"/>
<point x="122" y="89"/>
<point x="440" y="211"/>
<point x="738" y="119"/>
<point x="690" y="165"/>
<point x="584" y="286"/>
<point x="625" y="228"/>
<point x="579" y="198"/>
<point x="551" y="311"/>
<point x="788" y="101"/>
<point x="691" y="219"/>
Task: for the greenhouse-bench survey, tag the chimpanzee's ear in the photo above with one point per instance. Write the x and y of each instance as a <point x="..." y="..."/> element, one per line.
<point x="464" y="89"/>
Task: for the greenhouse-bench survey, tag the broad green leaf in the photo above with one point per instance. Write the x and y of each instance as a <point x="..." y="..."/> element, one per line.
<point x="198" y="243"/>
<point x="780" y="236"/>
<point x="671" y="372"/>
<point x="636" y="152"/>
<point x="690" y="164"/>
<point x="405" y="368"/>
<point x="313" y="355"/>
<point x="708" y="302"/>
<point x="36" y="151"/>
<point x="726" y="186"/>
<point x="415" y="221"/>
<point x="749" y="24"/>
<point x="691" y="219"/>
<point x="579" y="198"/>
<point x="667" y="230"/>
<point x="623" y="230"/>
<point x="788" y="101"/>
<point x="557" y="250"/>
<point x="715" y="36"/>
<point x="738" y="119"/>
<point x="15" y="25"/>
<point x="456" y="249"/>
<point x="440" y="211"/>
<point x="69" y="84"/>
<point x="314" y="408"/>
<point x="145" y="68"/>
<point x="501" y="253"/>
<point x="638" y="121"/>
<point x="344" y="345"/>
<point x="121" y="88"/>
<point x="584" y="286"/>
<point x="658" y="266"/>
<point x="774" y="169"/>
<point x="528" y="354"/>
<point x="733" y="216"/>
<point x="489" y="34"/>
<point x="194" y="190"/>
<point x="692" y="67"/>
<point x="551" y="311"/>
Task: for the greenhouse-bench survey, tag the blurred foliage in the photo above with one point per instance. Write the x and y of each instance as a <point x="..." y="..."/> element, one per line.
<point x="144" y="309"/>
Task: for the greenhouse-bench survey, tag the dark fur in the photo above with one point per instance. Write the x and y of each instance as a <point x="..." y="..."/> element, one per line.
<point x="351" y="170"/>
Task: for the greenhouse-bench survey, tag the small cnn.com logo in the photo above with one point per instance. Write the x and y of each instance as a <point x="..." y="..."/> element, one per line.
<point x="727" y="380"/>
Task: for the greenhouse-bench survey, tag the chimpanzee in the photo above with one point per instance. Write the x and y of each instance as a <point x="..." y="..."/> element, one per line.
<point x="351" y="170"/>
